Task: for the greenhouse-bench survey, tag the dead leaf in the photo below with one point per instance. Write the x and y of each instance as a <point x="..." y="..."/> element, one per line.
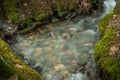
<point x="113" y="49"/>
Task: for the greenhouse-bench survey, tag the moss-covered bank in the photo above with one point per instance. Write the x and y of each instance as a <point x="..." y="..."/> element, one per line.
<point x="10" y="65"/>
<point x="107" y="50"/>
<point x="25" y="12"/>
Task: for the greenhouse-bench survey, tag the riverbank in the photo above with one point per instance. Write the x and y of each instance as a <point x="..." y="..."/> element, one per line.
<point x="11" y="65"/>
<point x="25" y="14"/>
<point x="107" y="50"/>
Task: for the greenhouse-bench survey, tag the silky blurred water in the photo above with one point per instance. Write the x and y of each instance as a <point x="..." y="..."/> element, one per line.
<point x="63" y="50"/>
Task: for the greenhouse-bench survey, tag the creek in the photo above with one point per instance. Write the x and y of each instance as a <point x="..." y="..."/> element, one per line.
<point x="63" y="50"/>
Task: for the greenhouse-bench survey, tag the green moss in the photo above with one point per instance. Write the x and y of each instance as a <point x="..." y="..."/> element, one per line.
<point x="104" y="23"/>
<point x="6" y="68"/>
<point x="10" y="64"/>
<point x="108" y="65"/>
<point x="65" y="6"/>
<point x="110" y="35"/>
<point x="40" y="17"/>
<point x="102" y="47"/>
<point x="13" y="16"/>
<point x="59" y="10"/>
<point x="20" y="11"/>
<point x="26" y="23"/>
<point x="10" y="7"/>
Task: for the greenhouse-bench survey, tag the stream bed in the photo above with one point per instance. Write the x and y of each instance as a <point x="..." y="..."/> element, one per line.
<point x="63" y="50"/>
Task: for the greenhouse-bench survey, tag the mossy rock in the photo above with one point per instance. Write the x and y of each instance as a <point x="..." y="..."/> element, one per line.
<point x="10" y="64"/>
<point x="108" y="65"/>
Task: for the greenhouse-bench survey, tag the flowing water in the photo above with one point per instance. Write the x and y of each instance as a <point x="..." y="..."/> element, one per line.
<point x="63" y="50"/>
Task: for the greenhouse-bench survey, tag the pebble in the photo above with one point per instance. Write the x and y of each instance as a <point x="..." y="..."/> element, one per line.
<point x="91" y="52"/>
<point x="78" y="76"/>
<point x="37" y="52"/>
<point x="59" y="67"/>
<point x="55" y="20"/>
<point x="88" y="44"/>
<point x="57" y="51"/>
<point x="25" y="44"/>
<point x="65" y="72"/>
<point x="10" y="28"/>
<point x="73" y="29"/>
<point x="52" y="34"/>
